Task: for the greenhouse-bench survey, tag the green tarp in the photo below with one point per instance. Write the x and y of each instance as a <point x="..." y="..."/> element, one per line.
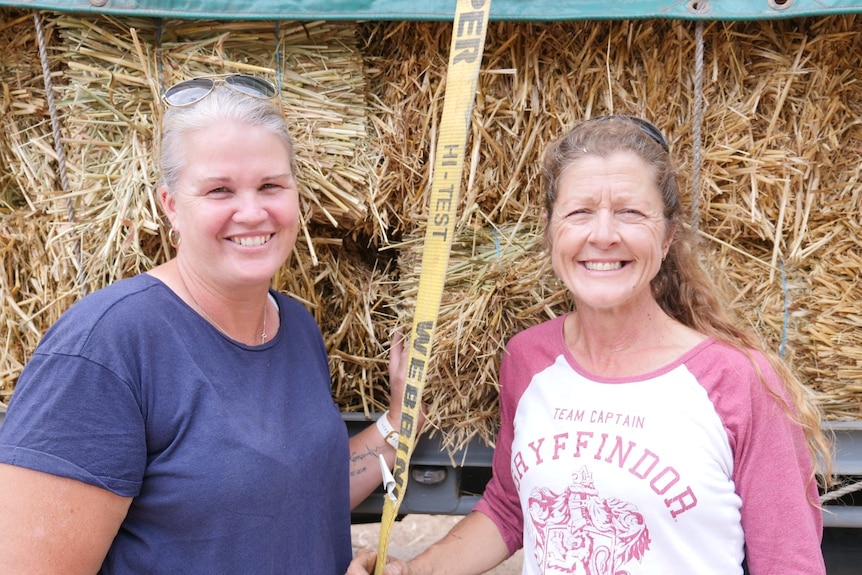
<point x="445" y="9"/>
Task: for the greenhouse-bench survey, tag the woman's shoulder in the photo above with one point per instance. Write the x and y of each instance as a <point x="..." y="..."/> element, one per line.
<point x="112" y="309"/>
<point x="712" y="352"/>
<point x="543" y="331"/>
<point x="537" y="345"/>
<point x="292" y="309"/>
<point x="137" y="290"/>
<point x="741" y="372"/>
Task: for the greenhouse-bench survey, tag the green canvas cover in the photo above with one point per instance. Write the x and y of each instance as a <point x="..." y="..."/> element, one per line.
<point x="445" y="9"/>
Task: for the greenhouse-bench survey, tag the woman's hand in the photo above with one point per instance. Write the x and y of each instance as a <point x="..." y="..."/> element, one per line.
<point x="365" y="560"/>
<point x="399" y="357"/>
<point x="368" y="445"/>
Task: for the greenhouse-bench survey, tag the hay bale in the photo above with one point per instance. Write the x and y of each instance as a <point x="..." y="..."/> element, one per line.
<point x="778" y="204"/>
<point x="346" y="292"/>
<point x="24" y="125"/>
<point x="33" y="271"/>
<point x="109" y="74"/>
<point x="116" y="70"/>
<point x="499" y="282"/>
<point x="34" y="294"/>
<point x="783" y="160"/>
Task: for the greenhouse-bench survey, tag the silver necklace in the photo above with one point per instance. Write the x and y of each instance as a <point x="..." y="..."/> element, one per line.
<point x="263" y="335"/>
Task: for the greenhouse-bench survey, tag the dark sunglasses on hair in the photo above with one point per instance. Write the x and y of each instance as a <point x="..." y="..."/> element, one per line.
<point x="188" y="92"/>
<point x="646" y="127"/>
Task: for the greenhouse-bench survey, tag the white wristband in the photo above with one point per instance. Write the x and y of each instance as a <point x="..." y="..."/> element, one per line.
<point x="387" y="431"/>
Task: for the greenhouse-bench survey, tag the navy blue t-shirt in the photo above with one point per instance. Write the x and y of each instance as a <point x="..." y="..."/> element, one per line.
<point x="235" y="455"/>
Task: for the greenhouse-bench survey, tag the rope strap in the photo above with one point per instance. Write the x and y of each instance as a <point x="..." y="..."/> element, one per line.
<point x="58" y="145"/>
<point x="841" y="492"/>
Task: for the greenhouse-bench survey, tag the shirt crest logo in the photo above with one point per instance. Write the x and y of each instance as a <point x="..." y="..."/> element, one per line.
<point x="579" y="532"/>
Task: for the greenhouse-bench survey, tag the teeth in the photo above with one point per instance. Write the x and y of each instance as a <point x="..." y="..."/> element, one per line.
<point x="252" y="241"/>
<point x="603" y="266"/>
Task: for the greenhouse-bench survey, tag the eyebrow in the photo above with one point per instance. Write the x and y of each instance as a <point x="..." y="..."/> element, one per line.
<point x="224" y="179"/>
<point x="278" y="176"/>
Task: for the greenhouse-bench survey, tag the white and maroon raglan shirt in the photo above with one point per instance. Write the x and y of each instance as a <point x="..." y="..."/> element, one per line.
<point x="684" y="470"/>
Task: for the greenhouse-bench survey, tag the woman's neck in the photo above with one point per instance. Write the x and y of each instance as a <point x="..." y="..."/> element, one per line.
<point x="246" y="316"/>
<point x="625" y="344"/>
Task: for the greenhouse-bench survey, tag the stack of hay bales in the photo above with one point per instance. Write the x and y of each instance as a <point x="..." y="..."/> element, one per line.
<point x="779" y="200"/>
<point x="778" y="205"/>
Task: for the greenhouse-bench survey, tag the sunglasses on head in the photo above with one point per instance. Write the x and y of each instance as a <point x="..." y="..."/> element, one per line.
<point x="188" y="92"/>
<point x="646" y="127"/>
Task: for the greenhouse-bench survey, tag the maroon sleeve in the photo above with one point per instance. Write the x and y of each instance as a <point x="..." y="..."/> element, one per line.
<point x="500" y="501"/>
<point x="773" y="470"/>
<point x="527" y="353"/>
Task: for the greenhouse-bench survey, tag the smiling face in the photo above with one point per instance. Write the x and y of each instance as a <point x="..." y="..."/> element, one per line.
<point x="235" y="204"/>
<point x="607" y="232"/>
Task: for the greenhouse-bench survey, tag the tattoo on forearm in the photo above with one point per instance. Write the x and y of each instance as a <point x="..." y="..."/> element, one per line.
<point x="359" y="460"/>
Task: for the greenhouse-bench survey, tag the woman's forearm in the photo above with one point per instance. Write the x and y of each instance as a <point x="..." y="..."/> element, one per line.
<point x="365" y="450"/>
<point x="473" y="546"/>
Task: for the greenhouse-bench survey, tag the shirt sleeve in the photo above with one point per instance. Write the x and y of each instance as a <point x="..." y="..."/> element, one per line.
<point x="773" y="469"/>
<point x="500" y="501"/>
<point x="74" y="418"/>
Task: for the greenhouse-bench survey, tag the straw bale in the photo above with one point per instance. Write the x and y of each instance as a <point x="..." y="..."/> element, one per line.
<point x="779" y="198"/>
<point x="498" y="282"/>
<point x="30" y="268"/>
<point x="346" y="292"/>
<point x="115" y="71"/>
<point x="536" y="79"/>
<point x="33" y="292"/>
<point x="108" y="77"/>
<point x="783" y="156"/>
<point x="777" y="208"/>
<point x="24" y="124"/>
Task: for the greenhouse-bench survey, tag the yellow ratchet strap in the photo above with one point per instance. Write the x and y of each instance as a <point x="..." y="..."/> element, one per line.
<point x="465" y="59"/>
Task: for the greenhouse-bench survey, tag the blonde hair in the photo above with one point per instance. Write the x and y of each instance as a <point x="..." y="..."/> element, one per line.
<point x="222" y="104"/>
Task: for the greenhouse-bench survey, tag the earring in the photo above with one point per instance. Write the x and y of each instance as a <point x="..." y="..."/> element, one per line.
<point x="174" y="238"/>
